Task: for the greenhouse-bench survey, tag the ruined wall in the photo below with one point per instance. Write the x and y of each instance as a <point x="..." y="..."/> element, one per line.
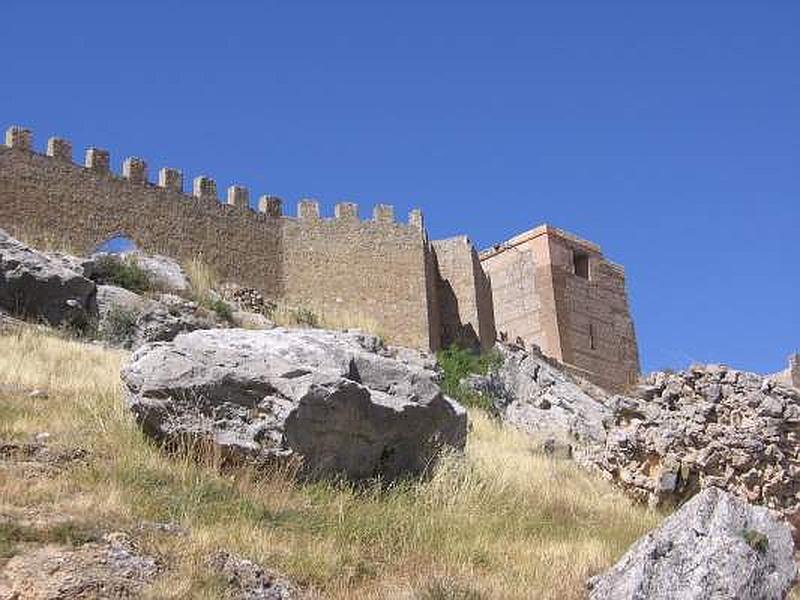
<point x="791" y="375"/>
<point x="464" y="295"/>
<point x="374" y="269"/>
<point x="584" y="322"/>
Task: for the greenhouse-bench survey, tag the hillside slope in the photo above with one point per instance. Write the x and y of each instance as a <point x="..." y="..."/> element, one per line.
<point x="501" y="522"/>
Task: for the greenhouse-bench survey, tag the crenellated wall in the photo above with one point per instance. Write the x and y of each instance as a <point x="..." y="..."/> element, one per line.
<point x="544" y="286"/>
<point x="374" y="270"/>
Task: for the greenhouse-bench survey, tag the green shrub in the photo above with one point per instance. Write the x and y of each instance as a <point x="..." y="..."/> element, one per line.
<point x="457" y="363"/>
<point x="119" y="325"/>
<point x="220" y="307"/>
<point x="124" y="272"/>
<point x="756" y="540"/>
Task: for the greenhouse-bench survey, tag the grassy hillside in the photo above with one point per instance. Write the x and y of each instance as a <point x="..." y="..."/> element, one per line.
<point x="500" y="522"/>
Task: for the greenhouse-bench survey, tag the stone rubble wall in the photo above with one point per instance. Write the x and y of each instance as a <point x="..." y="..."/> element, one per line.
<point x="707" y="426"/>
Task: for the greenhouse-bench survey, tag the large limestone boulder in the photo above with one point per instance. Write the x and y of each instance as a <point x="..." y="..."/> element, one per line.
<point x="707" y="426"/>
<point x="35" y="286"/>
<point x="165" y="273"/>
<point x="338" y="402"/>
<point x="716" y="547"/>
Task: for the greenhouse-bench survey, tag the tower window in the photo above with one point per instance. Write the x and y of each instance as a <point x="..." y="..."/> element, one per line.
<point x="591" y="336"/>
<point x="580" y="264"/>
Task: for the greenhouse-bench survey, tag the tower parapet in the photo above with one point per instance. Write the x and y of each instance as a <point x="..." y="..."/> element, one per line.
<point x="347" y="211"/>
<point x="19" y="137"/>
<point x="308" y="210"/>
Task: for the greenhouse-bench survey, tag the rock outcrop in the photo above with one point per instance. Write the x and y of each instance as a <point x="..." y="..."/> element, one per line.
<point x="339" y="403"/>
<point x="707" y="426"/>
<point x="535" y="395"/>
<point x="716" y="547"/>
<point x="35" y="286"/>
<point x="129" y="320"/>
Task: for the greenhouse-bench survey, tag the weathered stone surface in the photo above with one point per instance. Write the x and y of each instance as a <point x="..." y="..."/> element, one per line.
<point x="716" y="547"/>
<point x="338" y="401"/>
<point x="535" y="395"/>
<point x="165" y="273"/>
<point x="34" y="286"/>
<point x="707" y="426"/>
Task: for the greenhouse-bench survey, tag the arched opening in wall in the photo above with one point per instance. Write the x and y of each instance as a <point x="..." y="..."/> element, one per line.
<point x="119" y="244"/>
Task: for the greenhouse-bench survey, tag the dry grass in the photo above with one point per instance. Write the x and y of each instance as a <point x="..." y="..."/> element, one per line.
<point x="499" y="522"/>
<point x="288" y="315"/>
<point x="202" y="277"/>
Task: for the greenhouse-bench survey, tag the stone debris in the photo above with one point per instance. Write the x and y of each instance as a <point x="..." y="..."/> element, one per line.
<point x="248" y="581"/>
<point x="247" y="299"/>
<point x="715" y="547"/>
<point x="165" y="273"/>
<point x="707" y="426"/>
<point x="111" y="568"/>
<point x="339" y="402"/>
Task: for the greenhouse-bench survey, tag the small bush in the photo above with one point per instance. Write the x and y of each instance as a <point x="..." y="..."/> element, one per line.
<point x="119" y="325"/>
<point x="457" y="363"/>
<point x="756" y="540"/>
<point x="220" y="307"/>
<point x="123" y="272"/>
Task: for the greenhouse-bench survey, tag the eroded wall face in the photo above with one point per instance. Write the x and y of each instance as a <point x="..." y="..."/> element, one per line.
<point x="361" y="273"/>
<point x="463" y="294"/>
<point x="594" y="322"/>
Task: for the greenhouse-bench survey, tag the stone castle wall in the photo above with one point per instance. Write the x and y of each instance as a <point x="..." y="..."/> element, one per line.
<point x="360" y="271"/>
<point x="464" y="295"/>
<point x="581" y="318"/>
<point x="375" y="274"/>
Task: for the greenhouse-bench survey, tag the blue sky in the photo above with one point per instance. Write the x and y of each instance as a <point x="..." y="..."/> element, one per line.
<point x="667" y="132"/>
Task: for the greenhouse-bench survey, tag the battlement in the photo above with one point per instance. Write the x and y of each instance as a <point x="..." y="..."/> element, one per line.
<point x="204" y="188"/>
<point x="336" y="263"/>
<point x="544" y="286"/>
